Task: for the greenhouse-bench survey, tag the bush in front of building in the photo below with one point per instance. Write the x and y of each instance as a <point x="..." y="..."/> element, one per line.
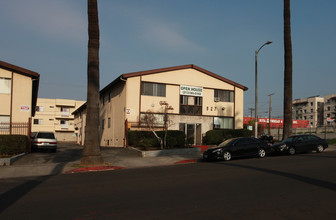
<point x="146" y="139"/>
<point x="13" y="144"/>
<point x="215" y="137"/>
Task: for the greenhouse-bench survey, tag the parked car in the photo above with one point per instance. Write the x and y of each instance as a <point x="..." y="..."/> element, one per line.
<point x="44" y="140"/>
<point x="237" y="147"/>
<point x="301" y="143"/>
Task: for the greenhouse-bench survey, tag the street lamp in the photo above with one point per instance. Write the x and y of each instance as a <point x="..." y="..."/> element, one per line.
<point x="256" y="90"/>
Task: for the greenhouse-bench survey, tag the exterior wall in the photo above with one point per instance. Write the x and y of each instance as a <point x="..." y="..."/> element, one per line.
<point x="17" y="103"/>
<point x="4" y="97"/>
<point x="79" y="124"/>
<point x="55" y="115"/>
<point x="310" y="109"/>
<point x="113" y="133"/>
<point x="329" y="108"/>
<point x="122" y="100"/>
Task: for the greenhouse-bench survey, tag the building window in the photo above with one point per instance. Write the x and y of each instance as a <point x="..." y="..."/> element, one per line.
<point x="64" y="124"/>
<point x="5" y="85"/>
<point x="109" y="122"/>
<point x="311" y="103"/>
<point x="38" y="121"/>
<point x="224" y="95"/>
<point x="328" y="108"/>
<point x="223" y="123"/>
<point x="103" y="124"/>
<point x="39" y="108"/>
<point x="4" y="123"/>
<point x="311" y="110"/>
<point x="152" y="120"/>
<point x="190" y="105"/>
<point x="153" y="89"/>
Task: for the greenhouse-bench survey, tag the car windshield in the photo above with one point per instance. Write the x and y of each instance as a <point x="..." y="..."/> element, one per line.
<point x="291" y="139"/>
<point x="228" y="142"/>
<point x="46" y="135"/>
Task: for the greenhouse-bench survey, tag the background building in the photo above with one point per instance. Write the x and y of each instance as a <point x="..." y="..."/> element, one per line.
<point x="18" y="96"/>
<point x="55" y="115"/>
<point x="195" y="101"/>
<point x="315" y="109"/>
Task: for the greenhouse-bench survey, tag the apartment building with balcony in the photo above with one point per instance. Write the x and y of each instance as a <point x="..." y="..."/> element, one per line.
<point x="315" y="109"/>
<point x="55" y="115"/>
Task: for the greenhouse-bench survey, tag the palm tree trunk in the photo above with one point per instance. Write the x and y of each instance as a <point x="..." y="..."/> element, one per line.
<point x="91" y="152"/>
<point x="288" y="93"/>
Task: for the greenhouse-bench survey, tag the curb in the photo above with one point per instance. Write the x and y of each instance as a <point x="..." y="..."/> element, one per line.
<point x="106" y="168"/>
<point x="90" y="169"/>
<point x="8" y="161"/>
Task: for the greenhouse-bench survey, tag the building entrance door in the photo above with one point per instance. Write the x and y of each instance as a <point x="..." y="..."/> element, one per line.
<point x="193" y="133"/>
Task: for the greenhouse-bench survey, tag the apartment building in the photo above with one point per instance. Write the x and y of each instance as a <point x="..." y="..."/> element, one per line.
<point x="194" y="99"/>
<point x="18" y="95"/>
<point x="330" y="108"/>
<point x="55" y="115"/>
<point x="315" y="109"/>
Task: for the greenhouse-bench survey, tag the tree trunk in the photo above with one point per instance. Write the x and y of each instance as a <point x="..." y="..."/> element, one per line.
<point x="91" y="152"/>
<point x="288" y="94"/>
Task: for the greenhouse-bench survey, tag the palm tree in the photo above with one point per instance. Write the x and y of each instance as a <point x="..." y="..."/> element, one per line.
<point x="91" y="152"/>
<point x="288" y="93"/>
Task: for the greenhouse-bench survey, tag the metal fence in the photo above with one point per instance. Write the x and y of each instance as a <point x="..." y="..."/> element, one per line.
<point x="22" y="128"/>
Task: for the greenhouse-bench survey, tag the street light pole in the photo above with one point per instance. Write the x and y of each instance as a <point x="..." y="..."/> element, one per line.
<point x="269" y="115"/>
<point x="256" y="90"/>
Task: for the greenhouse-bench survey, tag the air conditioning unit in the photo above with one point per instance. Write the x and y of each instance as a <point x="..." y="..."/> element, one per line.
<point x="217" y="99"/>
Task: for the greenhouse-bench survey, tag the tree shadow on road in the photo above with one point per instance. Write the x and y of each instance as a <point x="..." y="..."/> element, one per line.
<point x="11" y="196"/>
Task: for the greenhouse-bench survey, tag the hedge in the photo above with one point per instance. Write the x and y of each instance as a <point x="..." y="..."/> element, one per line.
<point x="13" y="144"/>
<point x="215" y="137"/>
<point x="175" y="139"/>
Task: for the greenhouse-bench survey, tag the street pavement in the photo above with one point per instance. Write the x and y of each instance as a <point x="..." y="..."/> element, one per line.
<point x="67" y="160"/>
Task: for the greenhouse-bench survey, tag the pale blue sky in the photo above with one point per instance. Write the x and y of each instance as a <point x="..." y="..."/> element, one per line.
<point x="50" y="37"/>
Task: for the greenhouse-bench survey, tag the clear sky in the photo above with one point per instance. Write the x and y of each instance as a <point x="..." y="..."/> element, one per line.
<point x="50" y="37"/>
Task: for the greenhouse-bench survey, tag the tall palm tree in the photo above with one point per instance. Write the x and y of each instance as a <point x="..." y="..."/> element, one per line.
<point x="91" y="152"/>
<point x="288" y="93"/>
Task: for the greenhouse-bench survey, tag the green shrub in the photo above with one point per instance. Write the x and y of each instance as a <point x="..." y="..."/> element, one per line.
<point x="214" y="137"/>
<point x="13" y="144"/>
<point x="175" y="139"/>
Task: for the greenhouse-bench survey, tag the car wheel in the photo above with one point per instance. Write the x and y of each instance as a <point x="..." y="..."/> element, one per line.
<point x="226" y="156"/>
<point x="261" y="152"/>
<point x="319" y="148"/>
<point x="291" y="150"/>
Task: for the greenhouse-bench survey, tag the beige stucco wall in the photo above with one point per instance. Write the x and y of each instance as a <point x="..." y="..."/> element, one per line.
<point x="5" y="98"/>
<point x="239" y="114"/>
<point x="115" y="110"/>
<point x="52" y="115"/>
<point x="21" y="97"/>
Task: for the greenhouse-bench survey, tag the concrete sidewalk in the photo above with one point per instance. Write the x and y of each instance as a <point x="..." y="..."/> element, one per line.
<point x="114" y="158"/>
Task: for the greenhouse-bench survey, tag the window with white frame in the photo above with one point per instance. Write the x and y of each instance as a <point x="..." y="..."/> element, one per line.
<point x="4" y="123"/>
<point x="39" y="108"/>
<point x="64" y="124"/>
<point x="5" y="85"/>
<point x="151" y="119"/>
<point x="223" y="123"/>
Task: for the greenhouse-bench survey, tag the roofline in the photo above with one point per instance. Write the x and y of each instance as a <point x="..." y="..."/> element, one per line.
<point x="189" y="66"/>
<point x="19" y="70"/>
<point x="35" y="80"/>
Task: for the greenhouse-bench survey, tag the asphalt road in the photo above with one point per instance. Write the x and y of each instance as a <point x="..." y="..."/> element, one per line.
<point x="278" y="187"/>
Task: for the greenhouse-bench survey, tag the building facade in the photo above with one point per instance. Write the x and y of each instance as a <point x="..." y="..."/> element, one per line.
<point x="317" y="110"/>
<point x="18" y="94"/>
<point x="55" y="115"/>
<point x="186" y="98"/>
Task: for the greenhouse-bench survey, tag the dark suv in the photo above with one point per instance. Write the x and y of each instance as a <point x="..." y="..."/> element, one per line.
<point x="301" y="143"/>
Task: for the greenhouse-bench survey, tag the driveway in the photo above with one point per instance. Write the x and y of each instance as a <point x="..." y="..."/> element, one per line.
<point x="66" y="152"/>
